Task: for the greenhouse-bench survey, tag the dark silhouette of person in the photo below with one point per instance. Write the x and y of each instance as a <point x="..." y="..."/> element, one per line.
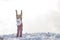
<point x="19" y="24"/>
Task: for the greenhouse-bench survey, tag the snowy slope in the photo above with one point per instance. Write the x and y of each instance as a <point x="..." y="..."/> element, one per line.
<point x="33" y="36"/>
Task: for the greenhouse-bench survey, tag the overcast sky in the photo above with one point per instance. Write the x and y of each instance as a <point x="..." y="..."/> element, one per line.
<point x="38" y="16"/>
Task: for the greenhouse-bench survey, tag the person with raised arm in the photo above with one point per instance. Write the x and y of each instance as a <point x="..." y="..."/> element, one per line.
<point x="19" y="24"/>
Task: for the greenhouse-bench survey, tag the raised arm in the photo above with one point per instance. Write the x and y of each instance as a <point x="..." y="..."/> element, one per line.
<point x="17" y="16"/>
<point x="16" y="12"/>
<point x="21" y="15"/>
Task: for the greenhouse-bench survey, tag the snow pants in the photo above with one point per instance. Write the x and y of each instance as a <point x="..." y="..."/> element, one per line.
<point x="19" y="30"/>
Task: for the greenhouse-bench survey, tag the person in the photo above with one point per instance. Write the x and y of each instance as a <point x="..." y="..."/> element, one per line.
<point x="19" y="24"/>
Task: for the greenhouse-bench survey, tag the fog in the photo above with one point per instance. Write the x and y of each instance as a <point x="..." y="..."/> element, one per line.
<point x="38" y="16"/>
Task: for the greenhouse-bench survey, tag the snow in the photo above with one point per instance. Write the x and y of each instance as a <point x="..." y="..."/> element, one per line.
<point x="32" y="36"/>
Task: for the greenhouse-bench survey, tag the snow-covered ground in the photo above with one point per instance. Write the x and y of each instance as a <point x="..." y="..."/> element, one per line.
<point x="32" y="36"/>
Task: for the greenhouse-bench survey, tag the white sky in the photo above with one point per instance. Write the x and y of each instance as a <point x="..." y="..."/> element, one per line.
<point x="38" y="16"/>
